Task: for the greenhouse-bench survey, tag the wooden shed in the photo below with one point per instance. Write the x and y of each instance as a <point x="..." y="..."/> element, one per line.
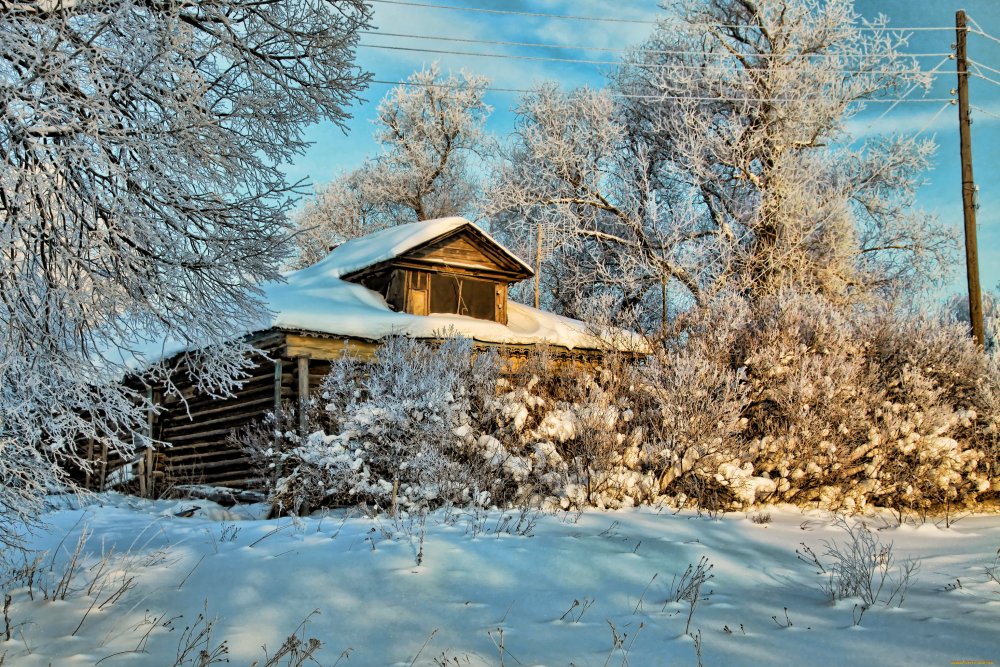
<point x="424" y="280"/>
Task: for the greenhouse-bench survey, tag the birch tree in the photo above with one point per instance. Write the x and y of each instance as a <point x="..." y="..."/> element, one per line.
<point x="141" y="198"/>
<point x="431" y="134"/>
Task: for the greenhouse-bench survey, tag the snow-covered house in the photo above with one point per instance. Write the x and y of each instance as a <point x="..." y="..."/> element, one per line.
<point x="424" y="280"/>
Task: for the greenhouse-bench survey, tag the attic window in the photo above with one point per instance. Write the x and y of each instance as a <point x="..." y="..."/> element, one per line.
<point x="463" y="296"/>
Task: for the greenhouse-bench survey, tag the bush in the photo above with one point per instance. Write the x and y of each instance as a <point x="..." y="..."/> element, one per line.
<point x="575" y="425"/>
<point x="839" y="408"/>
<point x="938" y="421"/>
<point x="692" y="404"/>
<point x="787" y="399"/>
<point x="403" y="429"/>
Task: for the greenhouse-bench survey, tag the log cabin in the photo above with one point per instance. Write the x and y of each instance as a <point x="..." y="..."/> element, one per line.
<point x="425" y="280"/>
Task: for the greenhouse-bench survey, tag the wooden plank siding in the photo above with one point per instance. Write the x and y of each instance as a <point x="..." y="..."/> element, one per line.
<point x="465" y="251"/>
<point x="194" y="436"/>
<point x="407" y="282"/>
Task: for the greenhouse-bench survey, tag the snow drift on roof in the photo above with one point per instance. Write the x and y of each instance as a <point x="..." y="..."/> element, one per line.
<point x="360" y="253"/>
<point x="315" y="299"/>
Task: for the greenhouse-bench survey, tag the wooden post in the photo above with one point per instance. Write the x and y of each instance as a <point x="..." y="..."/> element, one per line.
<point x="143" y="489"/>
<point x="150" y="472"/>
<point x="104" y="466"/>
<point x="968" y="184"/>
<point x="277" y="384"/>
<point x="278" y="378"/>
<point x="303" y="364"/>
<point x="146" y="464"/>
<point x="90" y="463"/>
<point x="538" y="265"/>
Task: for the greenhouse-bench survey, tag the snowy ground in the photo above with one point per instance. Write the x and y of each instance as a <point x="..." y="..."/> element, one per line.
<point x="578" y="589"/>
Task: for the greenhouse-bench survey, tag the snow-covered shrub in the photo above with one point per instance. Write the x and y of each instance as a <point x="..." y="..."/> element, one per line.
<point x="789" y="398"/>
<point x="402" y="429"/>
<point x="843" y="408"/>
<point x="573" y="427"/>
<point x="691" y="404"/>
<point x="809" y="398"/>
<point x="938" y="423"/>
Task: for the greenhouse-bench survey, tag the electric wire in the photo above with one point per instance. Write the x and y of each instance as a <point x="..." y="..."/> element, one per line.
<point x="984" y="111"/>
<point x="491" y="55"/>
<point x="421" y="84"/>
<point x="981" y="65"/>
<point x="908" y="92"/>
<point x="609" y="19"/>
<point x="977" y="29"/>
<point x="615" y="63"/>
<point x="929" y="123"/>
<point x="512" y="12"/>
<point x="986" y="35"/>
<point x="694" y="98"/>
<point x="985" y="78"/>
<point x="580" y="47"/>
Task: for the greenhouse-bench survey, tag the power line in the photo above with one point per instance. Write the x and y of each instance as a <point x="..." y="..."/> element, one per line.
<point x="693" y="98"/>
<point x="984" y="78"/>
<point x="981" y="65"/>
<point x="491" y="55"/>
<point x="984" y="111"/>
<point x="978" y="30"/>
<point x="421" y="84"/>
<point x="615" y="63"/>
<point x="568" y="47"/>
<point x="933" y="118"/>
<point x="512" y="12"/>
<point x="908" y="92"/>
<point x="608" y="19"/>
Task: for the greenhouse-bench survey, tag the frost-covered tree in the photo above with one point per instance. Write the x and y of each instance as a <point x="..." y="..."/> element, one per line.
<point x="576" y="188"/>
<point x="747" y="103"/>
<point x="141" y="196"/>
<point x="430" y="130"/>
<point x="722" y="158"/>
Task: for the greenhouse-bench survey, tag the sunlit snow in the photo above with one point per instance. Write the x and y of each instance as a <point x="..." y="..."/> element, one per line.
<point x="591" y="588"/>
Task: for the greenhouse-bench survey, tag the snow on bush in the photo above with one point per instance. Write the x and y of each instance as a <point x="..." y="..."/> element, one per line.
<point x="574" y="424"/>
<point x="402" y="430"/>
<point x="787" y="399"/>
<point x="846" y="409"/>
<point x="693" y="403"/>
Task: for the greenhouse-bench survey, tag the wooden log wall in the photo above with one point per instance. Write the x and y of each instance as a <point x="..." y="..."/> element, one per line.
<point x="197" y="446"/>
<point x="200" y="451"/>
<point x="200" y="448"/>
<point x="196" y="436"/>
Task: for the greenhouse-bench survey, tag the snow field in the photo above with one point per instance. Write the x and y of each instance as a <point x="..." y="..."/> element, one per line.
<point x="587" y="588"/>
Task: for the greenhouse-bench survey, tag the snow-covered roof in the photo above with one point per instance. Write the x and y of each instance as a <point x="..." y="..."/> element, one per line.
<point x="316" y="299"/>
<point x="360" y="253"/>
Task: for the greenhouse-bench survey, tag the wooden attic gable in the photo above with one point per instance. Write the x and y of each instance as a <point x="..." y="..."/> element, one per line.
<point x="461" y="270"/>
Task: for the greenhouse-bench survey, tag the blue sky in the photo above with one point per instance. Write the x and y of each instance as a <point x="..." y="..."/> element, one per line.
<point x="334" y="151"/>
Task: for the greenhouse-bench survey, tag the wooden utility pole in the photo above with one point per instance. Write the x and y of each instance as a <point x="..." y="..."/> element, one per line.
<point x="968" y="185"/>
